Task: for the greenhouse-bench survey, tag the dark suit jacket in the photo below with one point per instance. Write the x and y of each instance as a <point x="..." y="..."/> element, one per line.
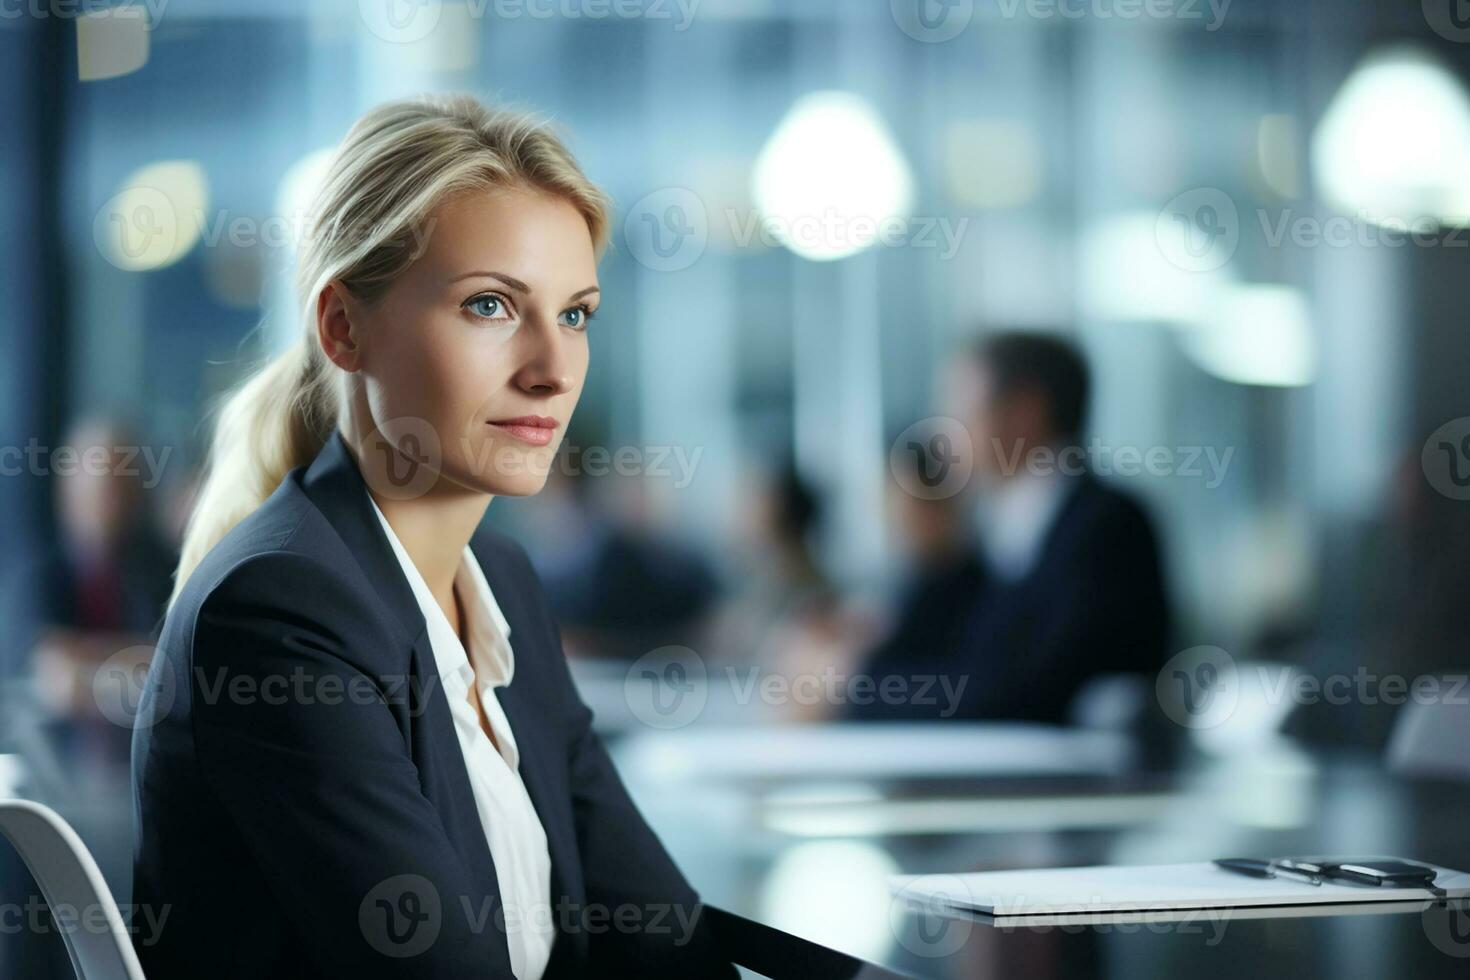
<point x="1093" y="603"/>
<point x="142" y="580"/>
<point x="302" y="804"/>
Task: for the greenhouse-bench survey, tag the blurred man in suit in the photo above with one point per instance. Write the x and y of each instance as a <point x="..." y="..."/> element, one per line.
<point x="1071" y="585"/>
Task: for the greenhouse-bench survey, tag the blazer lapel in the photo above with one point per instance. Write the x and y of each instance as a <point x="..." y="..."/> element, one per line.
<point x="548" y="795"/>
<point x="335" y="485"/>
<point x="541" y="769"/>
<point x="436" y="751"/>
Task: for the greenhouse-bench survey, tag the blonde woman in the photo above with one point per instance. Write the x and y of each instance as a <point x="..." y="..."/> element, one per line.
<point x="360" y="752"/>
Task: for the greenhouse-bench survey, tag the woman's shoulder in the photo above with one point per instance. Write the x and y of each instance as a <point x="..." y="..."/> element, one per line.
<point x="281" y="560"/>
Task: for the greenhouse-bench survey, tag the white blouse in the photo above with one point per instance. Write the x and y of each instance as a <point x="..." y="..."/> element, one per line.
<point x="512" y="828"/>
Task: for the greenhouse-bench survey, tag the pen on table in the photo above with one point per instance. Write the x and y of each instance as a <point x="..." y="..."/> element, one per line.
<point x="1257" y="868"/>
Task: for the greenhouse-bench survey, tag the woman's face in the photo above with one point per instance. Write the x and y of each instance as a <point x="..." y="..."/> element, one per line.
<point x="485" y="330"/>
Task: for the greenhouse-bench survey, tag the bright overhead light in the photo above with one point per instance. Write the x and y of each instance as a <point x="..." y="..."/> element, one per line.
<point x="156" y="216"/>
<point x="1127" y="274"/>
<point x="1256" y="335"/>
<point x="831" y="179"/>
<point x="112" y="41"/>
<point x="1394" y="143"/>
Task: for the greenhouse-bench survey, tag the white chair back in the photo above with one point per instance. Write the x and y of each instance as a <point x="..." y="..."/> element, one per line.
<point x="68" y="876"/>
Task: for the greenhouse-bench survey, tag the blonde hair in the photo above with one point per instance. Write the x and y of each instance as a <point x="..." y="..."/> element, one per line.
<point x="395" y="166"/>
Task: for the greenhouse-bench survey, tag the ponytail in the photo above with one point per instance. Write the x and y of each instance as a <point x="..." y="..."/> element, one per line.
<point x="276" y="420"/>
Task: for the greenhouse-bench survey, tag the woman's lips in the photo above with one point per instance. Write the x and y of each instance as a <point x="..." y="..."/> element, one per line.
<point x="537" y="430"/>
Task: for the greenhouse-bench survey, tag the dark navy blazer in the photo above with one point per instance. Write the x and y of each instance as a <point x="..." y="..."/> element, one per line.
<point x="301" y="800"/>
<point x="1093" y="603"/>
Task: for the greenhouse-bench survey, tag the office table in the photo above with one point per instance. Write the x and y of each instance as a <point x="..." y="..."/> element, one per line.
<point x="795" y="871"/>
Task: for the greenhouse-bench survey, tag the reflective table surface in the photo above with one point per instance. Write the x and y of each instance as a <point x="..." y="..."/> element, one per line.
<point x="796" y="868"/>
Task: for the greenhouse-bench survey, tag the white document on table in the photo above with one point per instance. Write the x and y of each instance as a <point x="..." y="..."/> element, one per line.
<point x="1111" y="890"/>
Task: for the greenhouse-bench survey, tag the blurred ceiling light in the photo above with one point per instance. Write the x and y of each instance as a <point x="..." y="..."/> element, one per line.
<point x="1394" y="144"/>
<point x="296" y="194"/>
<point x="992" y="163"/>
<point x="831" y="178"/>
<point x="1127" y="276"/>
<point x="427" y="35"/>
<point x="112" y="42"/>
<point x="797" y="895"/>
<point x="1276" y="143"/>
<point x="1256" y="335"/>
<point x="156" y="217"/>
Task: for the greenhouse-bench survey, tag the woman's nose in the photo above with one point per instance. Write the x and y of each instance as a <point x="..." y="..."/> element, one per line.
<point x="547" y="368"/>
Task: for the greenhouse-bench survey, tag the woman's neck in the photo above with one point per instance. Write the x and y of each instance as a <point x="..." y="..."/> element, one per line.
<point x="434" y="530"/>
<point x="433" y="527"/>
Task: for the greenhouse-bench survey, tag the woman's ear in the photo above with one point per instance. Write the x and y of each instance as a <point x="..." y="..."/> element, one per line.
<point x="334" y="327"/>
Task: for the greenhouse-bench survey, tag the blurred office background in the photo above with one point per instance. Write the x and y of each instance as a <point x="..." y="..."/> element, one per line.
<point x="1249" y="216"/>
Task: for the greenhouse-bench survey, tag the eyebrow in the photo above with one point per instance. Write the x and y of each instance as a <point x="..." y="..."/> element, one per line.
<point x="516" y="284"/>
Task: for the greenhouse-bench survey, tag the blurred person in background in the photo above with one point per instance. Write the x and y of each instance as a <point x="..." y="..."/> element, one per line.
<point x="111" y="568"/>
<point x="784" y="615"/>
<point x="1071" y="584"/>
<point x="104" y="580"/>
<point x="942" y="575"/>
<point x="620" y="584"/>
<point x="1412" y="630"/>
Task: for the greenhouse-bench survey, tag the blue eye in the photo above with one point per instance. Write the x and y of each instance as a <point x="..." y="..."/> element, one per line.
<point x="577" y="317"/>
<point x="489" y="306"/>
